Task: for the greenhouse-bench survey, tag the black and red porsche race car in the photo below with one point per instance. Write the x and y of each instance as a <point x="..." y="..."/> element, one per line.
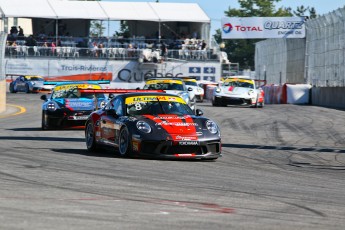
<point x="154" y="125"/>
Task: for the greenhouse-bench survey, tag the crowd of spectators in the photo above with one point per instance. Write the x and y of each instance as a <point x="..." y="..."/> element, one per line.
<point x="93" y="46"/>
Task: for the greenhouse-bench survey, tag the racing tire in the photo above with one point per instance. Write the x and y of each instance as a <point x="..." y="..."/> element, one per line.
<point x="45" y="125"/>
<point x="90" y="139"/>
<point x="12" y="88"/>
<point x="215" y="102"/>
<point x="125" y="143"/>
<point x="27" y="88"/>
<point x="261" y="105"/>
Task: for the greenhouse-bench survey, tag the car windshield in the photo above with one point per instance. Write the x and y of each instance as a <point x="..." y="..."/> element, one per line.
<point x="74" y="92"/>
<point x="244" y="84"/>
<point x="165" y="86"/>
<point x="191" y="83"/>
<point x="34" y="79"/>
<point x="158" y="107"/>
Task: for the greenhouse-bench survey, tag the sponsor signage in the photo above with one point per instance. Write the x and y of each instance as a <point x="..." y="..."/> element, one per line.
<point x="118" y="72"/>
<point x="263" y="27"/>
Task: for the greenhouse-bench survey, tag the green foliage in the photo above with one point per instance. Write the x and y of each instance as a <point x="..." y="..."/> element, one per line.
<point x="124" y="30"/>
<point x="243" y="50"/>
<point x="97" y="29"/>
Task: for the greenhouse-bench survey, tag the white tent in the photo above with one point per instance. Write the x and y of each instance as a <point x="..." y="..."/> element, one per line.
<point x="182" y="12"/>
<point x="27" y="9"/>
<point x="130" y="11"/>
<point x="78" y="10"/>
<point x="99" y="10"/>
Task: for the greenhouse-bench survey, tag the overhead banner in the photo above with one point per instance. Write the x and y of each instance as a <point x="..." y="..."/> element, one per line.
<point x="263" y="27"/>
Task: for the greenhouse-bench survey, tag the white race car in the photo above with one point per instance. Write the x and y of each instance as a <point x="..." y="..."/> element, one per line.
<point x="198" y="91"/>
<point x="174" y="86"/>
<point x="238" y="90"/>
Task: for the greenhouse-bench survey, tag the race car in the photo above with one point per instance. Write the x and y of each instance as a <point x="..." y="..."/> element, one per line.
<point x="198" y="91"/>
<point x="238" y="90"/>
<point x="154" y="125"/>
<point x="67" y="106"/>
<point x="174" y="86"/>
<point x="27" y="84"/>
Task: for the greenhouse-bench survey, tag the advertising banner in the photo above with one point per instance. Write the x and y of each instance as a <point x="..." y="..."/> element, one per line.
<point x="263" y="27"/>
<point x="121" y="73"/>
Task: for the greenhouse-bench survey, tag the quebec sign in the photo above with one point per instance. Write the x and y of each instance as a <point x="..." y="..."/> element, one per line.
<point x="263" y="27"/>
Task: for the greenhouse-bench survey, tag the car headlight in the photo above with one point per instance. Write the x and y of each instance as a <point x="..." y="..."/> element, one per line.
<point x="218" y="90"/>
<point x="250" y="92"/>
<point x="52" y="106"/>
<point x="143" y="127"/>
<point x="212" y="126"/>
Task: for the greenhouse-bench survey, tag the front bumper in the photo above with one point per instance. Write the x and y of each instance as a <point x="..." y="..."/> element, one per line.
<point x="66" y="118"/>
<point x="166" y="149"/>
<point x="234" y="100"/>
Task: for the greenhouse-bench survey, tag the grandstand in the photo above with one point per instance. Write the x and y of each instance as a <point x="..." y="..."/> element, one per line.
<point x="161" y="39"/>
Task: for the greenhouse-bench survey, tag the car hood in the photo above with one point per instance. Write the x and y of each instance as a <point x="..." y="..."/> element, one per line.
<point x="176" y="92"/>
<point x="184" y="127"/>
<point x="236" y="90"/>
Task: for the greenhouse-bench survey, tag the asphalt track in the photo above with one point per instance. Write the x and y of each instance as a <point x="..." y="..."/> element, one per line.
<point x="283" y="167"/>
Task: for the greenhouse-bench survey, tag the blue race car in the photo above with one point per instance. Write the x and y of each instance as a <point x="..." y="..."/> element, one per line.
<point x="27" y="84"/>
<point x="67" y="106"/>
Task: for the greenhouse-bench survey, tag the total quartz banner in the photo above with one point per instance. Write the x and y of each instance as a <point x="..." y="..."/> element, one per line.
<point x="263" y="27"/>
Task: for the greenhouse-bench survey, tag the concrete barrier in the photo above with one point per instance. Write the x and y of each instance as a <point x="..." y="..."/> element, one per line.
<point x="328" y="96"/>
<point x="2" y="96"/>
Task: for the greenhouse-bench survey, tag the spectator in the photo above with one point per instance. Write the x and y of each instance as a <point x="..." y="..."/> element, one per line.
<point x="53" y="48"/>
<point x="203" y="45"/>
<point x="21" y="32"/>
<point x="164" y="50"/>
<point x="45" y="48"/>
<point x="14" y="31"/>
<point x="130" y="50"/>
<point x="95" y="50"/>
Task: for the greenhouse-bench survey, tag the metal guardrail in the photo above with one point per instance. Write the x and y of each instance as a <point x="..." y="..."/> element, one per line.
<point x="22" y="51"/>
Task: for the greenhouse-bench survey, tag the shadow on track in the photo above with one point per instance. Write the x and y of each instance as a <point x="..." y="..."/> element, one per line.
<point x="284" y="148"/>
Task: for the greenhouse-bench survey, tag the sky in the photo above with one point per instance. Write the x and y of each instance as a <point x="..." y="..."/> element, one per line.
<point x="215" y="8"/>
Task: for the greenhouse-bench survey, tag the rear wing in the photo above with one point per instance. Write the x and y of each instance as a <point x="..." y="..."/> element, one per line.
<point x="76" y="82"/>
<point x="121" y="91"/>
<point x="118" y="91"/>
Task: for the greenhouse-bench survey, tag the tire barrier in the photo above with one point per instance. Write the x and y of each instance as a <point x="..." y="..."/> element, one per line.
<point x="287" y="94"/>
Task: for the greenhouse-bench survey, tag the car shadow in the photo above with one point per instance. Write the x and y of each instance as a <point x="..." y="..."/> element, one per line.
<point x="27" y="138"/>
<point x="284" y="148"/>
<point x="40" y="129"/>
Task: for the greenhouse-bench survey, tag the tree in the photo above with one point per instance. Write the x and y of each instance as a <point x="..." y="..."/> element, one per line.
<point x="242" y="51"/>
<point x="305" y="11"/>
<point x="124" y="30"/>
<point x="97" y="29"/>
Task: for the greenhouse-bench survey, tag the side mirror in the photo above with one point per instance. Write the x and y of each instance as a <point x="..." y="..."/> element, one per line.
<point x="44" y="97"/>
<point x="111" y="95"/>
<point x="199" y="112"/>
